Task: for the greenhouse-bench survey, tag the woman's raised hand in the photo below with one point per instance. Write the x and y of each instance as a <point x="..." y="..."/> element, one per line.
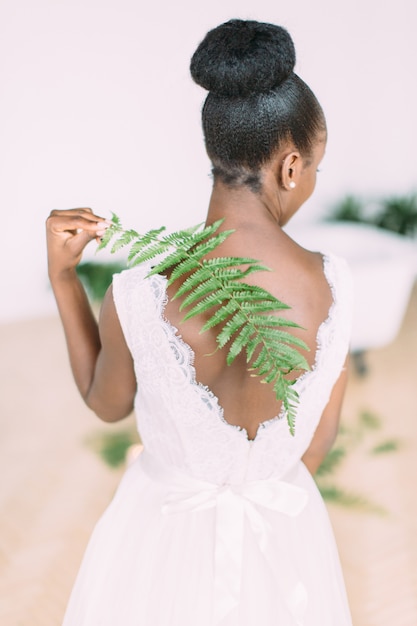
<point x="67" y="233"/>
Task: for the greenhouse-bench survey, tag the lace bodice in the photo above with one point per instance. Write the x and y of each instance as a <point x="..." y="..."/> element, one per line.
<point x="181" y="422"/>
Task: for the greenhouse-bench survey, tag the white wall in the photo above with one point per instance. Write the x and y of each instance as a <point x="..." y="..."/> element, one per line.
<point x="98" y="109"/>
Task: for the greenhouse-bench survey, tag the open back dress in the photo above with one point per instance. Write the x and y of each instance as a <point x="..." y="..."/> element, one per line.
<point x="209" y="528"/>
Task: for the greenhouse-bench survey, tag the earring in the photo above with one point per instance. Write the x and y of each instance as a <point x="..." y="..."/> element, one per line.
<point x="292" y="184"/>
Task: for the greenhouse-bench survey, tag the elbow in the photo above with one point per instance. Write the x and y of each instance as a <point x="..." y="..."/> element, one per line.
<point x="109" y="411"/>
<point x="329" y="440"/>
<point x="112" y="416"/>
<point x="326" y="443"/>
<point x="319" y="448"/>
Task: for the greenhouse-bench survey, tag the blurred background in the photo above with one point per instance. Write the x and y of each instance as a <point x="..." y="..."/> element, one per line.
<point x="98" y="109"/>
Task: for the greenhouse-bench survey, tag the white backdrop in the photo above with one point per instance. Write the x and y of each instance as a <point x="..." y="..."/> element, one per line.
<point x="98" y="109"/>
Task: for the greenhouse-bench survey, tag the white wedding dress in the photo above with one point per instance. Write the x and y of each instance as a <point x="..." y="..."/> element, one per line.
<point x="208" y="528"/>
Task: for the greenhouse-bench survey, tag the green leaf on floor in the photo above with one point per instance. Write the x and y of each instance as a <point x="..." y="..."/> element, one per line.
<point x="370" y="420"/>
<point x="391" y="445"/>
<point x="112" y="447"/>
<point x="332" y="460"/>
<point x="356" y="434"/>
<point x="335" y="495"/>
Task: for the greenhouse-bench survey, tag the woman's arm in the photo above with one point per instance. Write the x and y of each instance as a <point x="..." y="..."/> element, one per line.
<point x="100" y="359"/>
<point x="328" y="426"/>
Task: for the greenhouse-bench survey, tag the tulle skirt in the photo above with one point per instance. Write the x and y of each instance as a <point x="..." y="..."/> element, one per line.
<point x="149" y="564"/>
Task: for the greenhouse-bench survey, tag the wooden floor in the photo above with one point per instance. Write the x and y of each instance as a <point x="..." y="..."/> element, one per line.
<point x="379" y="552"/>
<point x="54" y="486"/>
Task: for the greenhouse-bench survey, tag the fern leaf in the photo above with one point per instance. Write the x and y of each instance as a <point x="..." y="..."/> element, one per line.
<point x="199" y="275"/>
<point x="230" y="328"/>
<point x="251" y="347"/>
<point x="210" y="244"/>
<point x="201" y="290"/>
<point x="116" y="223"/>
<point x="125" y="239"/>
<point x="229" y="276"/>
<point x="106" y="238"/>
<point x="220" y="315"/>
<point x="260" y="359"/>
<point x="269" y="320"/>
<point x="207" y="232"/>
<point x="148" y="253"/>
<point x="280" y="337"/>
<point x="190" y="231"/>
<point x="239" y="343"/>
<point x="173" y="258"/>
<point x="250" y="302"/>
<point x="213" y="299"/>
<point x="246" y="314"/>
<point x="264" y="368"/>
<point x="189" y="264"/>
<point x="232" y="261"/>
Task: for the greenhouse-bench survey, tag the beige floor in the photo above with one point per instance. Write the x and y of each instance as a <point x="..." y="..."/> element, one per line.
<point x="53" y="486"/>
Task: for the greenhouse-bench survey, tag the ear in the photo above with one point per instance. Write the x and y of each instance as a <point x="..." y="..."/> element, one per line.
<point x="291" y="167"/>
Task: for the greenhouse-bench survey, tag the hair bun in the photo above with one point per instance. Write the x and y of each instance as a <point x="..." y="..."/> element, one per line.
<point x="239" y="58"/>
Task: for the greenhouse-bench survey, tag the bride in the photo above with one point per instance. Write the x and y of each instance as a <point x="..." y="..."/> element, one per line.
<point x="218" y="521"/>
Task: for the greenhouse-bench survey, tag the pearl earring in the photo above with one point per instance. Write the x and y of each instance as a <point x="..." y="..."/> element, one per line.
<point x="292" y="184"/>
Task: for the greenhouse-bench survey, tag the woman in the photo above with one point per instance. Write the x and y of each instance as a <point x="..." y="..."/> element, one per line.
<point x="219" y="520"/>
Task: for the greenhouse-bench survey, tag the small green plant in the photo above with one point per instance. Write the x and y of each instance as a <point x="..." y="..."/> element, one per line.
<point x="397" y="214"/>
<point x="112" y="447"/>
<point x="97" y="277"/>
<point x="349" y="209"/>
<point x="215" y="288"/>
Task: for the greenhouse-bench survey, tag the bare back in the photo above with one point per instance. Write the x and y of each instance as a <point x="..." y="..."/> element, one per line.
<point x="297" y="278"/>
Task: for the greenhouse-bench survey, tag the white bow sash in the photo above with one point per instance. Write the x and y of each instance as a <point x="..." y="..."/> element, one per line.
<point x="233" y="503"/>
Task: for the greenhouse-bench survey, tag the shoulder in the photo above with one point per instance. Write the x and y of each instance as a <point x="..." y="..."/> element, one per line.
<point x="129" y="293"/>
<point x="338" y="275"/>
<point x="131" y="276"/>
<point x="319" y="267"/>
<point x="130" y="283"/>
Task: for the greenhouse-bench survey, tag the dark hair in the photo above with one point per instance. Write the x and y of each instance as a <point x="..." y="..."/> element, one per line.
<point x="255" y="102"/>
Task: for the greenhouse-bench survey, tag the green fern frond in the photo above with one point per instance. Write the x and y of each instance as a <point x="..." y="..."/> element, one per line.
<point x="230" y="261"/>
<point x="220" y="315"/>
<point x="170" y="260"/>
<point x="137" y="255"/>
<point x="116" y="221"/>
<point x="250" y="302"/>
<point x="211" y="243"/>
<point x="215" y="289"/>
<point x="240" y="342"/>
<point x="201" y="290"/>
<point x="189" y="264"/>
<point x="180" y="234"/>
<point x="214" y="299"/>
<point x="126" y="238"/>
<point x="107" y="237"/>
<point x="230" y="328"/>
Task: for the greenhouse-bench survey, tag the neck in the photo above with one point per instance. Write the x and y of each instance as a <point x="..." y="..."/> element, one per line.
<point x="241" y="205"/>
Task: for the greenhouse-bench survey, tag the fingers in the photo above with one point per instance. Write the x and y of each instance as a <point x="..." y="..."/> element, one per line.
<point x="75" y="220"/>
<point x="67" y="234"/>
<point x="86" y="211"/>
